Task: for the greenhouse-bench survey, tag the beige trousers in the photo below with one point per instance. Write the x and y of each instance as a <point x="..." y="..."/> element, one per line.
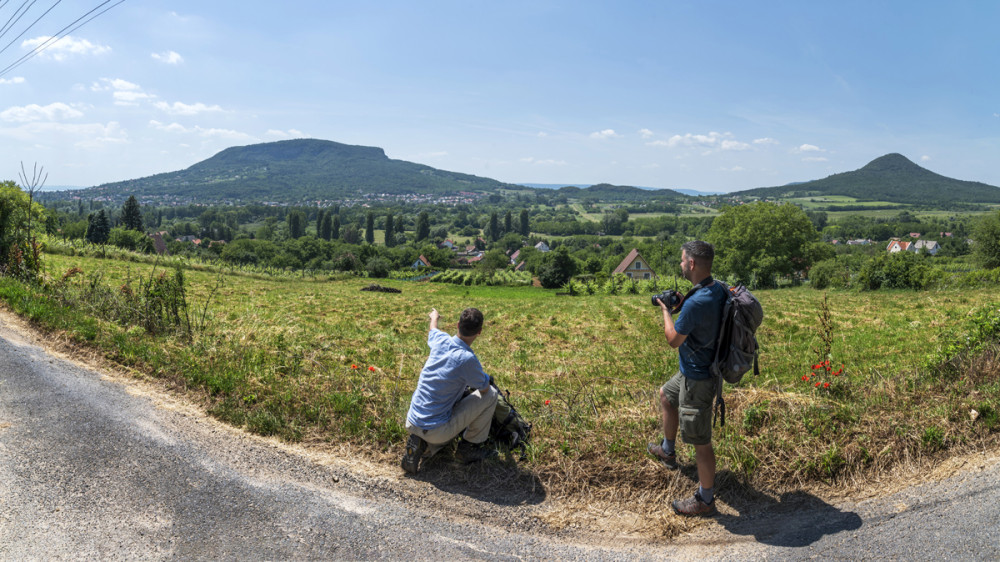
<point x="472" y="414"/>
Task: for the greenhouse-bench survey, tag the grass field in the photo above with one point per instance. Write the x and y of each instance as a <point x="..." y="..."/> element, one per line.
<point x="319" y="360"/>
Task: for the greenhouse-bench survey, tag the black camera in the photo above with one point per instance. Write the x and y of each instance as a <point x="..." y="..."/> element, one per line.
<point x="670" y="297"/>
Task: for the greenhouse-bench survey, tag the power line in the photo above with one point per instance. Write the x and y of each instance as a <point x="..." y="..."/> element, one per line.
<point x="38" y="19"/>
<point x="73" y="26"/>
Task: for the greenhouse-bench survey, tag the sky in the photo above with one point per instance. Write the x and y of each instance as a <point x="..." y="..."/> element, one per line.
<point x="706" y="95"/>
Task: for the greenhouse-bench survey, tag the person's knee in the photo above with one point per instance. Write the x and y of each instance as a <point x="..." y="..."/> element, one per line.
<point x="665" y="401"/>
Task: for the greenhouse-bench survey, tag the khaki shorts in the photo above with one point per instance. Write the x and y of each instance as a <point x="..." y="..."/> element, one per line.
<point x="693" y="400"/>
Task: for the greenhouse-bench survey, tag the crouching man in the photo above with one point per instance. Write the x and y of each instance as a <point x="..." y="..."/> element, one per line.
<point x="438" y="412"/>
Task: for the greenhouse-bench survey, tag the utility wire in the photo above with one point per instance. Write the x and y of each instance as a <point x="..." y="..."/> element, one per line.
<point x="16" y="16"/>
<point x="76" y="24"/>
<point x="30" y="26"/>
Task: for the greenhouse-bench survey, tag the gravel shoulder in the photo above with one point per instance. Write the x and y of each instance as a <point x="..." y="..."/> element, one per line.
<point x="98" y="464"/>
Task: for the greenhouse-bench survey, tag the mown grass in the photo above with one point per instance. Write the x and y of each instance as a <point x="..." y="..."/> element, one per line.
<point x="319" y="360"/>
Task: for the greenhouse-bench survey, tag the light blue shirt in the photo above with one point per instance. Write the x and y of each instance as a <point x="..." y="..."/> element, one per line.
<point x="450" y="368"/>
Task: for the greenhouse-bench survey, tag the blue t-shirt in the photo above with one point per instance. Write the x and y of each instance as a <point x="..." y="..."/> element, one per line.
<point x="450" y="368"/>
<point x="699" y="320"/>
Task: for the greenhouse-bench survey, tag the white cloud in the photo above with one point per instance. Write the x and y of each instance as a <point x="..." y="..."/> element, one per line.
<point x="177" y="128"/>
<point x="544" y="162"/>
<point x="14" y="80"/>
<point x="711" y="141"/>
<point x="925" y="158"/>
<point x="809" y="148"/>
<point x="289" y="134"/>
<point x="179" y="108"/>
<point x="734" y="169"/>
<point x="765" y="141"/>
<point x="114" y="84"/>
<point x="734" y="145"/>
<point x="645" y="133"/>
<point x="130" y="98"/>
<point x="542" y="134"/>
<point x="64" y="48"/>
<point x="168" y="57"/>
<point x="605" y="134"/>
<point x="815" y="159"/>
<point x="84" y="135"/>
<point x="35" y="112"/>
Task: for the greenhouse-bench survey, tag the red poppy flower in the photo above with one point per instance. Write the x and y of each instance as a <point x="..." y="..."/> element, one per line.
<point x="817" y="384"/>
<point x="826" y="385"/>
<point x="805" y="377"/>
<point x="547" y="402"/>
<point x="841" y="370"/>
<point x="816" y="366"/>
<point x="354" y="366"/>
<point x="371" y="368"/>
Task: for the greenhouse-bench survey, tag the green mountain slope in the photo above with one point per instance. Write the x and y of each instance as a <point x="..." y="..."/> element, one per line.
<point x="893" y="178"/>
<point x="299" y="170"/>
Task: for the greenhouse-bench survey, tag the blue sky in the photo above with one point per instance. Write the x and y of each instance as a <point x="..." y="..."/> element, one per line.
<point x="708" y="95"/>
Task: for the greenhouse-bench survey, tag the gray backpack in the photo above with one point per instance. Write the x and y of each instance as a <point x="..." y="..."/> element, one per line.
<point x="736" y="348"/>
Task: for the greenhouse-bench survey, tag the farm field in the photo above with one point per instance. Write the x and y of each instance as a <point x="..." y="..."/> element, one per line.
<point x="319" y="360"/>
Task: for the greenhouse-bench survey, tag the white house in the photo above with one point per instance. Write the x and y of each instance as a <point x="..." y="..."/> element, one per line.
<point x="542" y="247"/>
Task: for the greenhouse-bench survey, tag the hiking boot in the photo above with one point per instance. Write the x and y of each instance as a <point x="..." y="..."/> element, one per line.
<point x="695" y="507"/>
<point x="656" y="450"/>
<point x="474" y="452"/>
<point x="415" y="447"/>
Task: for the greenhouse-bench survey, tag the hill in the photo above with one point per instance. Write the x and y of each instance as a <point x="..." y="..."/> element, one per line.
<point x="607" y="192"/>
<point x="295" y="171"/>
<point x="893" y="178"/>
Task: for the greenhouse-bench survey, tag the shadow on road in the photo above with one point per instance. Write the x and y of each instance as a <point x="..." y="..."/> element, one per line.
<point x="501" y="482"/>
<point x="794" y="519"/>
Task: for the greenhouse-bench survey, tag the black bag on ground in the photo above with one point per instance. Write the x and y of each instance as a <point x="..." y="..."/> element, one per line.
<point x="508" y="430"/>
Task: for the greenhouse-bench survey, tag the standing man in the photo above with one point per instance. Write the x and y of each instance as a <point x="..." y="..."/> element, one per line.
<point x="686" y="399"/>
<point x="438" y="412"/>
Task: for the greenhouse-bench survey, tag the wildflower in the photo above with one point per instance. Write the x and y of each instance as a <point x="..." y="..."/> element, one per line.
<point x="354" y="366"/>
<point x="817" y="384"/>
<point x="547" y="402"/>
<point x="826" y="385"/>
<point x="805" y="377"/>
<point x="370" y="368"/>
<point x="817" y="366"/>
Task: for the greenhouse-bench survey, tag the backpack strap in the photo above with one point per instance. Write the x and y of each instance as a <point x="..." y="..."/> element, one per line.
<point x="719" y="411"/>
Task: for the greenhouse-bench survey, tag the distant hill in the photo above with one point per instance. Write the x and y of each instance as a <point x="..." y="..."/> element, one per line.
<point x="893" y="178"/>
<point x="607" y="192"/>
<point x="298" y="170"/>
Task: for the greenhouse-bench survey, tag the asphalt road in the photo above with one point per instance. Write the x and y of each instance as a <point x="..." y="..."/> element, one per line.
<point x="92" y="469"/>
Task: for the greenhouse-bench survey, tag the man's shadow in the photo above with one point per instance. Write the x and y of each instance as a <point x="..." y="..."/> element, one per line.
<point x="790" y="519"/>
<point x="501" y="481"/>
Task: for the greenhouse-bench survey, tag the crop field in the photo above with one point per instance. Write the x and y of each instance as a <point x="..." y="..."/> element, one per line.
<point x="319" y="360"/>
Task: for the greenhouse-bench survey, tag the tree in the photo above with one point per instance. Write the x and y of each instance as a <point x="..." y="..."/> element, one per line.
<point x="99" y="228"/>
<point x="757" y="242"/>
<point x="320" y="216"/>
<point x="335" y="231"/>
<point x="525" y="229"/>
<point x="508" y="223"/>
<point x="132" y="214"/>
<point x="326" y="228"/>
<point x="986" y="234"/>
<point x="494" y="228"/>
<point x="370" y="228"/>
<point x="423" y="226"/>
<point x="390" y="232"/>
<point x="296" y="224"/>
<point x="559" y="267"/>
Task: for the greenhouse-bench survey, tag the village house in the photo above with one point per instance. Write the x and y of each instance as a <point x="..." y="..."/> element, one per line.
<point x="635" y="266"/>
<point x="542" y="247"/>
<point x="421" y="262"/>
<point x="897" y="246"/>
<point x="929" y="246"/>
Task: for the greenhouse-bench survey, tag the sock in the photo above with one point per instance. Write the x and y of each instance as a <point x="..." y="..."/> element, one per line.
<point x="667" y="446"/>
<point x="707" y="494"/>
